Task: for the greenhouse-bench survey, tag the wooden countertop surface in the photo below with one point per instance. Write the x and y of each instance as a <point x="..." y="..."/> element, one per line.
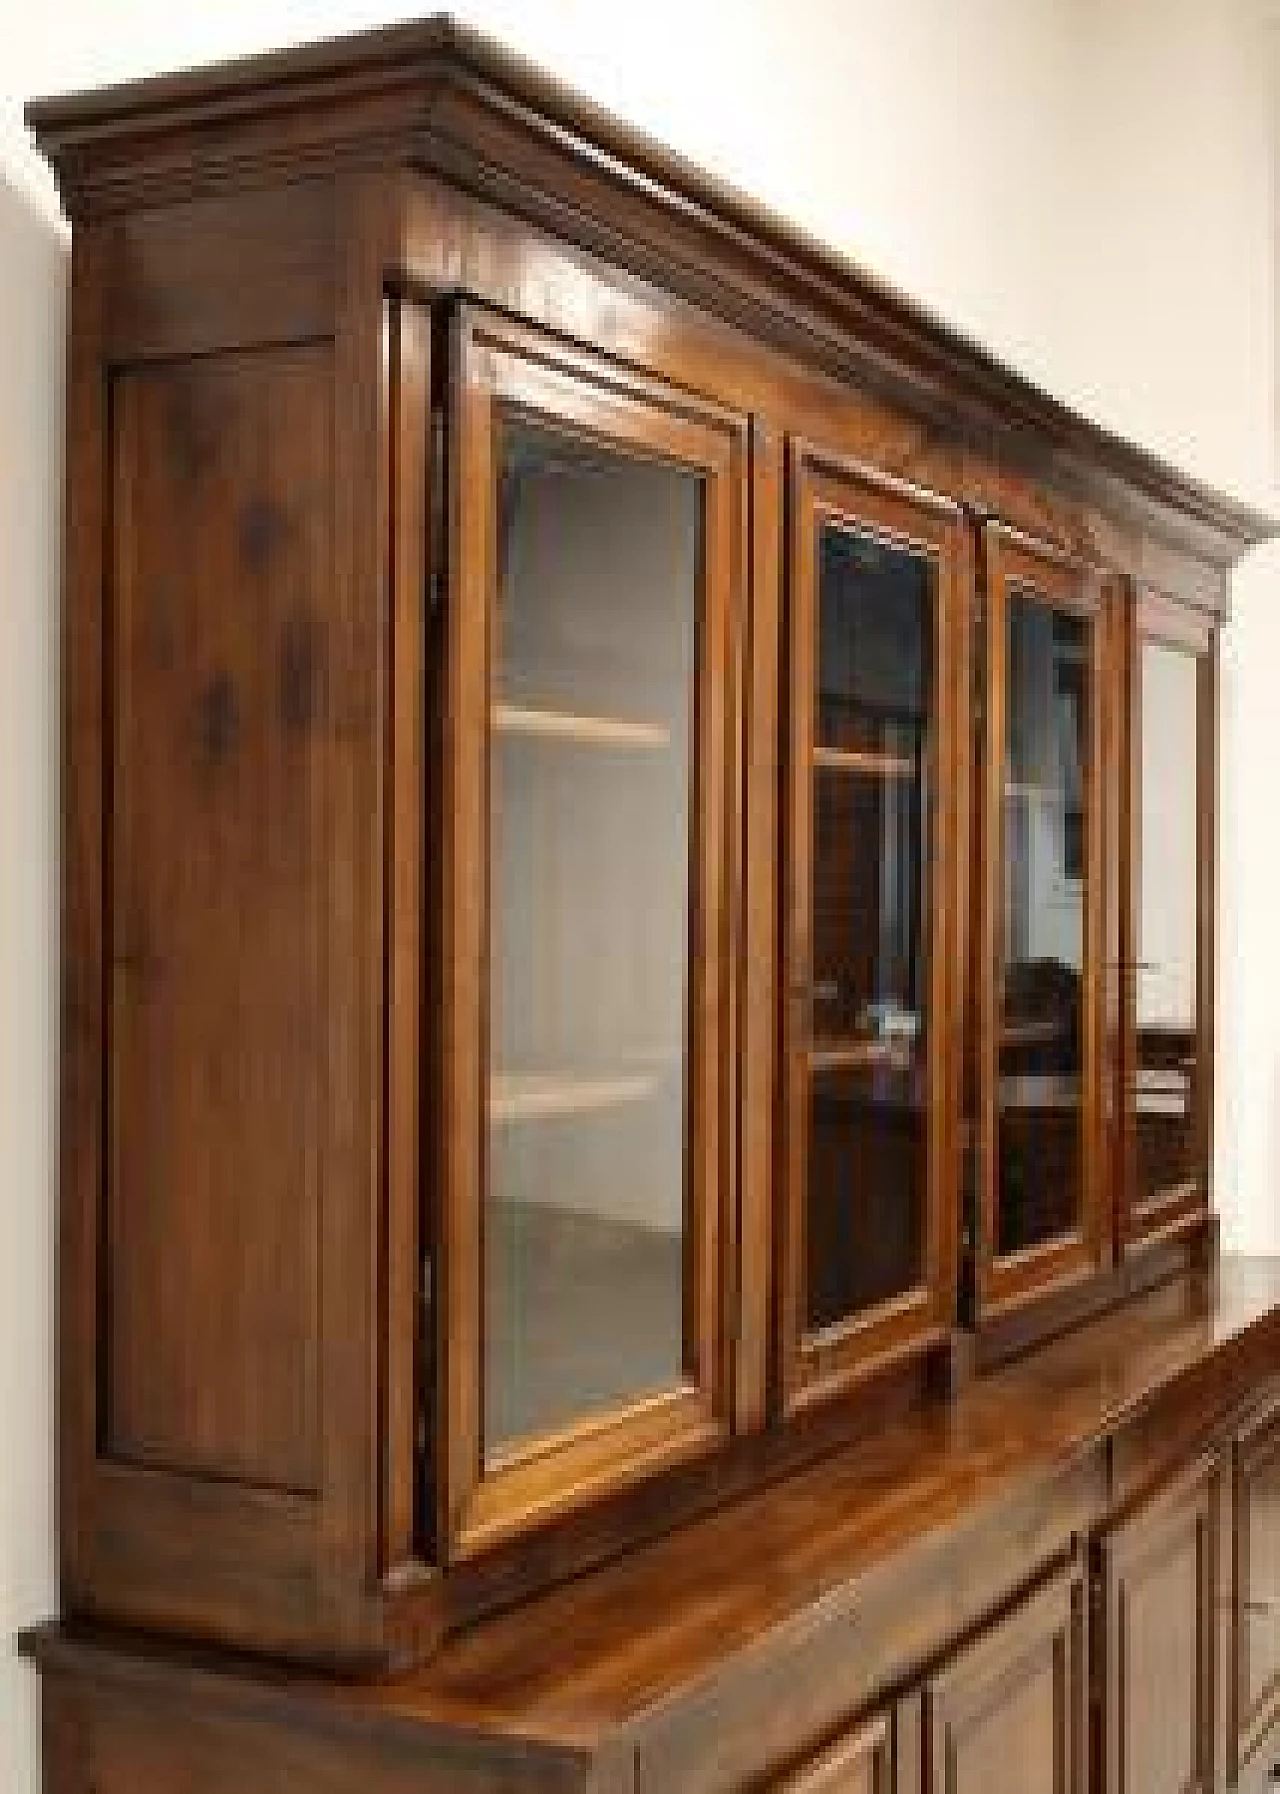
<point x="574" y="1666"/>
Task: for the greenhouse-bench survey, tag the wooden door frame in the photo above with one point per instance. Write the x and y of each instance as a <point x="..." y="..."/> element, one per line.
<point x="1150" y="616"/>
<point x="496" y="365"/>
<point x="1011" y="559"/>
<point x="825" y="487"/>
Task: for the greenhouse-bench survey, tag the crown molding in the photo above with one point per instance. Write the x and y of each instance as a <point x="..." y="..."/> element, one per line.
<point x="436" y="95"/>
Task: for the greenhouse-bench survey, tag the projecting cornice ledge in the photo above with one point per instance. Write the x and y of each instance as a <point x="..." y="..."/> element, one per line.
<point x="438" y="96"/>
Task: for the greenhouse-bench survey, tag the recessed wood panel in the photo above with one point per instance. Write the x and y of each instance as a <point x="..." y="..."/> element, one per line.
<point x="860" y="1762"/>
<point x="1257" y="1583"/>
<point x="1159" y="1600"/>
<point x="1005" y="1715"/>
<point x="220" y="564"/>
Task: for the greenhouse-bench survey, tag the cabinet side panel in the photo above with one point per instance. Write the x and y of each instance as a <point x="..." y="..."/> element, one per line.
<point x="220" y="565"/>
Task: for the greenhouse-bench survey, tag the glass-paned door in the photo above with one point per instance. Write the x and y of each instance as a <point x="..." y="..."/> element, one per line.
<point x="585" y="1201"/>
<point x="874" y="575"/>
<point x="1043" y="922"/>
<point x="1167" y="954"/>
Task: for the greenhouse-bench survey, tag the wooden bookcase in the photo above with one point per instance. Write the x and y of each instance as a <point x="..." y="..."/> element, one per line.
<point x="639" y="919"/>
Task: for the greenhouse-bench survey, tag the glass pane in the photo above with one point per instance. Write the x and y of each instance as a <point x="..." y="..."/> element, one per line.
<point x="593" y="655"/>
<point x="1046" y="787"/>
<point x="868" y="1089"/>
<point x="1167" y="956"/>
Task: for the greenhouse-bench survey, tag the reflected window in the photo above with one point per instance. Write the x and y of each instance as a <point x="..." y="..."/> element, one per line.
<point x="1045" y="831"/>
<point x="867" y="1167"/>
<point x="1168" y="1067"/>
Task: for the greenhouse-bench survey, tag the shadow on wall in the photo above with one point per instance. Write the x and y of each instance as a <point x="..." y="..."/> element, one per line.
<point x="33" y="287"/>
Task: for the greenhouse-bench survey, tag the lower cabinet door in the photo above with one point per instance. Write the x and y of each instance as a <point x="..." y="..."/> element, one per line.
<point x="1256" y="1615"/>
<point x="861" y="1762"/>
<point x="1158" y="1591"/>
<point x="1007" y="1714"/>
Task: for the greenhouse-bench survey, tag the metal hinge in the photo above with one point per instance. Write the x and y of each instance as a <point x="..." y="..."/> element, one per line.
<point x="426" y="1356"/>
<point x="969" y="1220"/>
<point x="978" y="662"/>
<point x="438" y="522"/>
<point x="1097" y="1634"/>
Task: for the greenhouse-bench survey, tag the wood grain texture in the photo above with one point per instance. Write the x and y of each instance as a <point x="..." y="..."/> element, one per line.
<point x="1160" y="1580"/>
<point x="1147" y="1216"/>
<point x="860" y="1762"/>
<point x="499" y="368"/>
<point x="224" y="970"/>
<point x="811" y="1363"/>
<point x="1009" y="1280"/>
<point x="1007" y="1715"/>
<point x="222" y="551"/>
<point x="743" y="1644"/>
<point x="441" y="94"/>
<point x="1254" y="1693"/>
<point x="758" y="937"/>
<point x="402" y="1250"/>
<point x="275" y="764"/>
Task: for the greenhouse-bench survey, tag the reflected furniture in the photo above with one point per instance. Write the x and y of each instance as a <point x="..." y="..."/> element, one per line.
<point x="638" y="995"/>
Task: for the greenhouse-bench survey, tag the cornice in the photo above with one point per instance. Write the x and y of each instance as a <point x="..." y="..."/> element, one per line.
<point x="437" y="95"/>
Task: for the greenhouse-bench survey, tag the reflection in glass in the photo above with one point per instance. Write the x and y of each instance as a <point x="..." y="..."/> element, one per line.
<point x="593" y="656"/>
<point x="872" y="748"/>
<point x="1165" y="978"/>
<point x="1041" y="1058"/>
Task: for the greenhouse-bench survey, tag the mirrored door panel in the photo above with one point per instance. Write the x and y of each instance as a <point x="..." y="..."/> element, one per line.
<point x="1044" y="907"/>
<point x="591" y="742"/>
<point x="1171" y="850"/>
<point x="873" y="576"/>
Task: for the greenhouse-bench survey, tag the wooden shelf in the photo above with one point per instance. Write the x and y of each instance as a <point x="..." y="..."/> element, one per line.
<point x="540" y="1096"/>
<point x="1034" y="791"/>
<point x="864" y="760"/>
<point x="1039" y="1091"/>
<point x="1034" y="1033"/>
<point x="567" y="725"/>
<point x="867" y="1054"/>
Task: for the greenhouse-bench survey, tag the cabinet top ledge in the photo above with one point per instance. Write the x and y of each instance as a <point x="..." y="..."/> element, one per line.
<point x="438" y="95"/>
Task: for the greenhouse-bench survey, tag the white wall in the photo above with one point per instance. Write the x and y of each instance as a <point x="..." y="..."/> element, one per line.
<point x="31" y="357"/>
<point x="1086" y="185"/>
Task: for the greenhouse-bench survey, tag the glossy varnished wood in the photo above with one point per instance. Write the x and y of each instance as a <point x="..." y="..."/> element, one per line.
<point x="1255" y="1665"/>
<point x="217" y="817"/>
<point x="437" y="94"/>
<point x="495" y="367"/>
<point x="1007" y="1715"/>
<point x="299" y="252"/>
<point x="1009" y="1280"/>
<point x="405" y="1357"/>
<point x="739" y="1645"/>
<point x="224" y="948"/>
<point x="1159" y="1576"/>
<point x="1151" y="616"/>
<point x="859" y="1762"/>
<point x="823" y="491"/>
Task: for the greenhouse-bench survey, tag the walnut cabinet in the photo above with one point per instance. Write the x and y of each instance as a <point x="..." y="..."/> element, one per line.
<point x="639" y="921"/>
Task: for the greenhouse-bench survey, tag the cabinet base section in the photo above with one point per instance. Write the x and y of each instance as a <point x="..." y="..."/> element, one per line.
<point x="1260" y="1774"/>
<point x="122" y="1721"/>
